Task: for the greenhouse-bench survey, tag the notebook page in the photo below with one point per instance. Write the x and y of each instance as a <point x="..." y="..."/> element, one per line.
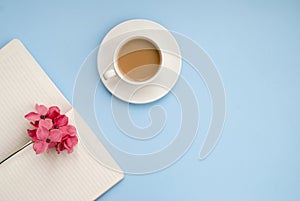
<point x="22" y="84"/>
<point x="52" y="176"/>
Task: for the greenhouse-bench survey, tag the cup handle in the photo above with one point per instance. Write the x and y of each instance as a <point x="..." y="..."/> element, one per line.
<point x="109" y="74"/>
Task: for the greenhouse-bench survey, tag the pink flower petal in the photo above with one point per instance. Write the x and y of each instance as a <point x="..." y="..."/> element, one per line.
<point x="70" y="143"/>
<point x="32" y="116"/>
<point x="41" y="109"/>
<point x="47" y="123"/>
<point x="53" y="112"/>
<point x="35" y="124"/>
<point x="42" y="133"/>
<point x="74" y="140"/>
<point x="32" y="134"/>
<point x="65" y="146"/>
<point x="55" y="135"/>
<point x="72" y="130"/>
<point x="40" y="146"/>
<point x="68" y="130"/>
<point x="52" y="144"/>
<point x="61" y="120"/>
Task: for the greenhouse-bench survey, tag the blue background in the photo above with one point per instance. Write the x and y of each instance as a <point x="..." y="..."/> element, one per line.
<point x="256" y="48"/>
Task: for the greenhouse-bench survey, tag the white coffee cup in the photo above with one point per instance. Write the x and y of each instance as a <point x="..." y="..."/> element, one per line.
<point x="135" y="50"/>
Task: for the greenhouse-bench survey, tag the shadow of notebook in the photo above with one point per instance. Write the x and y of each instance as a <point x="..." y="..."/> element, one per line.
<point x="49" y="176"/>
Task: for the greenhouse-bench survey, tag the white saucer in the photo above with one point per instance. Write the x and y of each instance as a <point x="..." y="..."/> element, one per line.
<point x="168" y="75"/>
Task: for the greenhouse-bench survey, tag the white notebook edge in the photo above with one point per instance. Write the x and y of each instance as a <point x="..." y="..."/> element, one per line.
<point x="80" y="123"/>
<point x="77" y="119"/>
<point x="98" y="146"/>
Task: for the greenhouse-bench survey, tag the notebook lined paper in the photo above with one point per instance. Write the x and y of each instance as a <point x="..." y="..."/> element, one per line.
<point x="49" y="176"/>
<point x="22" y="84"/>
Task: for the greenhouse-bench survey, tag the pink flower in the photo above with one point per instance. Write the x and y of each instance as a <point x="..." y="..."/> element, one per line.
<point x="32" y="134"/>
<point x="67" y="143"/>
<point x="35" y="124"/>
<point x="53" y="112"/>
<point x="51" y="129"/>
<point x="68" y="130"/>
<point x="68" y="140"/>
<point x="46" y="136"/>
<point x="40" y="114"/>
<point x="60" y="121"/>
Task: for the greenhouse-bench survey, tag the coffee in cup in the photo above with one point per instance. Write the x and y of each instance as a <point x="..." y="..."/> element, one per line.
<point x="137" y="60"/>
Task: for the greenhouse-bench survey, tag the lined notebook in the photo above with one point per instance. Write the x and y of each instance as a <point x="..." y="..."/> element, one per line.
<point x="48" y="176"/>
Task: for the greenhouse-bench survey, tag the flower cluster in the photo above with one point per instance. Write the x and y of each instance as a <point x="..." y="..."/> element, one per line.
<point x="51" y="129"/>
